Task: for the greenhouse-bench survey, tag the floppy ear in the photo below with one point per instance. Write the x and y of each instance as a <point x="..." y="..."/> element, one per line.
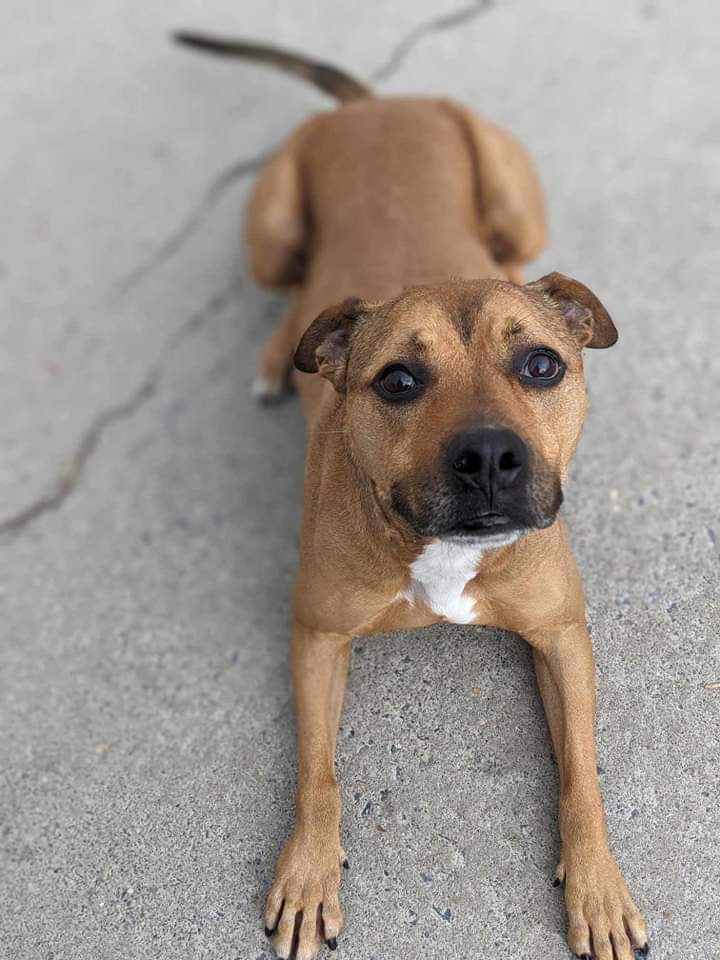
<point x="325" y="345"/>
<point x="276" y="226"/>
<point x="585" y="316"/>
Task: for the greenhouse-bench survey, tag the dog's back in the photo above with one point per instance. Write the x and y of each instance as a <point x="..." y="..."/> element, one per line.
<point x="390" y="189"/>
<point x="385" y="193"/>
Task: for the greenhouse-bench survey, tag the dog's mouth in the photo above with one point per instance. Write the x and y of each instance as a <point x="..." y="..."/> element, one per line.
<point x="489" y="525"/>
<point x="490" y="520"/>
<point x="433" y="511"/>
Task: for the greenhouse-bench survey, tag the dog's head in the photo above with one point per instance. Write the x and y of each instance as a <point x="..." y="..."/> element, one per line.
<point x="463" y="402"/>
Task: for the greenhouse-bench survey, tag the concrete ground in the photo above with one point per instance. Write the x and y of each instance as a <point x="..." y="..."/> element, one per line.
<point x="149" y="511"/>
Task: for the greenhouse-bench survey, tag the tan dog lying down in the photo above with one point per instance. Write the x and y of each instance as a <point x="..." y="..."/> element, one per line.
<point x="448" y="404"/>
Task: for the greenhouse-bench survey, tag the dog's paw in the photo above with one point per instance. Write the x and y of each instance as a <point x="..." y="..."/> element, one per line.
<point x="303" y="908"/>
<point x="603" y="921"/>
<point x="268" y="391"/>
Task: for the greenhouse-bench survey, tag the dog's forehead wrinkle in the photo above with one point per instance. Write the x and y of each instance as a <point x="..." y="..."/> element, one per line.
<point x="416" y="344"/>
<point x="531" y="321"/>
<point x="514" y="327"/>
<point x="494" y="310"/>
<point x="517" y="322"/>
<point x="430" y="311"/>
<point x="546" y="314"/>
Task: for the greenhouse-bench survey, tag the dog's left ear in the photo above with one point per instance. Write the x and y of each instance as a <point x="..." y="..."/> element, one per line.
<point x="585" y="316"/>
<point x="325" y="345"/>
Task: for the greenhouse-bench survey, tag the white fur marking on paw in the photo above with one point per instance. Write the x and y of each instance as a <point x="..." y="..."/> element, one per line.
<point x="264" y="389"/>
<point x="442" y="571"/>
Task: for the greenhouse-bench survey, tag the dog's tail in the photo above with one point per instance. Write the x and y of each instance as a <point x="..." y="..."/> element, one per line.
<point x="328" y="78"/>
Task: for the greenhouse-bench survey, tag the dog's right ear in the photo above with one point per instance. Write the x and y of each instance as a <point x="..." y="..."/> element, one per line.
<point x="325" y="345"/>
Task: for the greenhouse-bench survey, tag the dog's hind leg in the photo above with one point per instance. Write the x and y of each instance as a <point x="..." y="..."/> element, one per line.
<point x="272" y="378"/>
<point x="277" y="236"/>
<point x="514" y="272"/>
<point x="509" y="197"/>
<point x="276" y="227"/>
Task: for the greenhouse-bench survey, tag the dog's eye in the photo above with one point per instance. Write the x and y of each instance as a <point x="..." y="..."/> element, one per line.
<point x="396" y="382"/>
<point x="542" y="367"/>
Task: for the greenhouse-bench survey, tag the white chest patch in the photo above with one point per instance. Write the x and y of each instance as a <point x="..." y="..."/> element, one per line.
<point x="442" y="571"/>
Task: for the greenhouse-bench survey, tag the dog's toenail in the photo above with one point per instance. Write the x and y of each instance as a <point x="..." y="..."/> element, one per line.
<point x="556" y="882"/>
<point x="585" y="956"/>
<point x="346" y="863"/>
<point x="332" y="943"/>
<point x="643" y="951"/>
<point x="268" y="932"/>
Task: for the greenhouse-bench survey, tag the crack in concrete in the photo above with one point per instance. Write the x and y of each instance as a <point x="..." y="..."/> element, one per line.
<point x="172" y="245"/>
<point x="436" y="25"/>
<point x="71" y="473"/>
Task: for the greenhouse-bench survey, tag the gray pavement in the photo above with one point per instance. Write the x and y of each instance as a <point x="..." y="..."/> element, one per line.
<point x="150" y="511"/>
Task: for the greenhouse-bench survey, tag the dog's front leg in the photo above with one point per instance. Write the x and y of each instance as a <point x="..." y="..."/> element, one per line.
<point x="305" y="889"/>
<point x="601" y="914"/>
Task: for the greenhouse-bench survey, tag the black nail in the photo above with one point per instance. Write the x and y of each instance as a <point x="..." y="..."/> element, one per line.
<point x="332" y="943"/>
<point x="269" y="932"/>
<point x="556" y="882"/>
<point x="643" y="951"/>
<point x="585" y="956"/>
<point x="346" y="863"/>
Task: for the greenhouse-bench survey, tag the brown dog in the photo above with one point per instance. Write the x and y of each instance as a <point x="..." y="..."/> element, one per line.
<point x="449" y="403"/>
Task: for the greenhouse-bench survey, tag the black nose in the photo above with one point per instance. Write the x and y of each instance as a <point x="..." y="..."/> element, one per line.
<point x="488" y="459"/>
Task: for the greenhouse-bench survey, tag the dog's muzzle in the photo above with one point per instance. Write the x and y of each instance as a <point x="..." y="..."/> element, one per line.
<point x="488" y="486"/>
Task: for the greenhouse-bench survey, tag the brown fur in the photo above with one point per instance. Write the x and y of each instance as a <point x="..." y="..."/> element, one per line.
<point x="423" y="213"/>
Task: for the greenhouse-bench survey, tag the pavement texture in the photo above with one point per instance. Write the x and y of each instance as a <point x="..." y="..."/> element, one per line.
<point x="149" y="511"/>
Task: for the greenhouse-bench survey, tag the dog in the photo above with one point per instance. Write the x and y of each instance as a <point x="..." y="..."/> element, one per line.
<point x="444" y="401"/>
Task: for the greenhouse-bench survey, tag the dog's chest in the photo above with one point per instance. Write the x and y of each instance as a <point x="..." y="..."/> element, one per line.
<point x="439" y="576"/>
